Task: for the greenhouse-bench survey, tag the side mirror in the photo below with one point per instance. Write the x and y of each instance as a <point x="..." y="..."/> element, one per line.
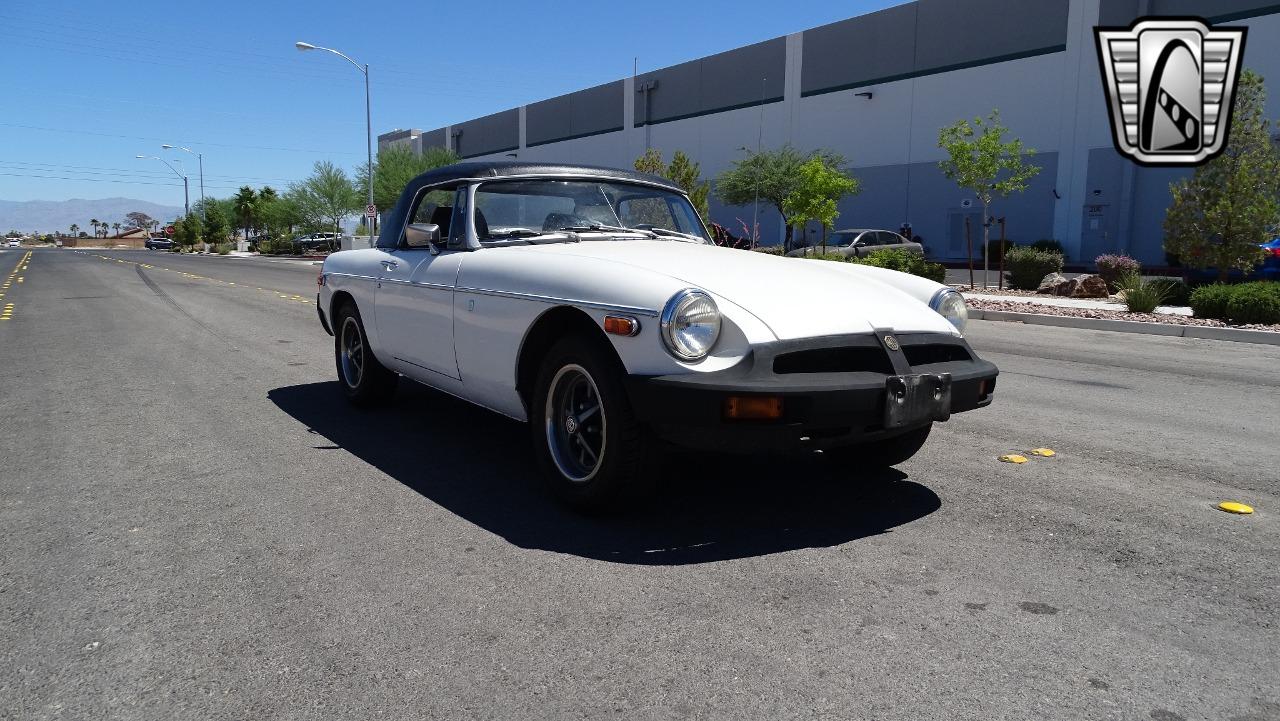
<point x="422" y="235"/>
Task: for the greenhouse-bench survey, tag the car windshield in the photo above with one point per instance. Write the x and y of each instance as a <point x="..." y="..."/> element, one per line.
<point x="526" y="209"/>
<point x="841" y="240"/>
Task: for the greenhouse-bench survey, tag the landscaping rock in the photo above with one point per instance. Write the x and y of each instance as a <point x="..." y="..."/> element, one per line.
<point x="1053" y="284"/>
<point x="1089" y="286"/>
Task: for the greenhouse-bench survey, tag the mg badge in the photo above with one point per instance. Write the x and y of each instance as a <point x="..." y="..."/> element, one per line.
<point x="891" y="343"/>
<point x="1169" y="84"/>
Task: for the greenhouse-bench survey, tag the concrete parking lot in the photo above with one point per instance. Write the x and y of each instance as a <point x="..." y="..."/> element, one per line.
<point x="194" y="525"/>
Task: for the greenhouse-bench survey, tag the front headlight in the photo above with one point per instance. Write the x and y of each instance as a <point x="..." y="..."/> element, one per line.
<point x="690" y="325"/>
<point x="950" y="305"/>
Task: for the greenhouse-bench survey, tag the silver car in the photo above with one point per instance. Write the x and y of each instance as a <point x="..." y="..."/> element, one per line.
<point x="857" y="242"/>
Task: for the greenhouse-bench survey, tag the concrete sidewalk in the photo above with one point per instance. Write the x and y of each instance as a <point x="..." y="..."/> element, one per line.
<point x="1055" y="301"/>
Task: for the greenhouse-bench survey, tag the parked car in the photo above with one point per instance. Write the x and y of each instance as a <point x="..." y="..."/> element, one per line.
<point x="602" y="314"/>
<point x="856" y="242"/>
<point x="158" y="242"/>
<point x="317" y="242"/>
<point x="14" y="243"/>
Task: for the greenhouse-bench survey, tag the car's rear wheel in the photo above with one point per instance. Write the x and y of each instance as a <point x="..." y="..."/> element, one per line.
<point x="364" y="380"/>
<point x="592" y="451"/>
<point x="877" y="455"/>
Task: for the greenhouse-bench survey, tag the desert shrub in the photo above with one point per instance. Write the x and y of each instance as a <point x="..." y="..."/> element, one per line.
<point x="1027" y="266"/>
<point x="1210" y="301"/>
<point x="1050" y="245"/>
<point x="1254" y="303"/>
<point x="770" y="249"/>
<point x="1142" y="296"/>
<point x="904" y="262"/>
<point x="1257" y="302"/>
<point x="222" y="248"/>
<point x="1113" y="268"/>
<point x="838" y="257"/>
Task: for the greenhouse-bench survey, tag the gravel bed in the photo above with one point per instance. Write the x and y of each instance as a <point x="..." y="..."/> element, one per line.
<point x="964" y="288"/>
<point x="1013" y="306"/>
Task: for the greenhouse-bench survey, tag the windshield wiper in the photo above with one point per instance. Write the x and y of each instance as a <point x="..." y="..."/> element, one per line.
<point x="667" y="232"/>
<point x="598" y="227"/>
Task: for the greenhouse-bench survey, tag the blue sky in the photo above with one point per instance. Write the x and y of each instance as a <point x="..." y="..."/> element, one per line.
<point x="88" y="86"/>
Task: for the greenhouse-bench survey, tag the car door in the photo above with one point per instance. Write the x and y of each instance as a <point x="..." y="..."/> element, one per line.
<point x="414" y="308"/>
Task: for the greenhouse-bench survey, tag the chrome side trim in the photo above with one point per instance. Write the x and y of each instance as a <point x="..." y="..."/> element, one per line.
<point x="349" y="275"/>
<point x="609" y="307"/>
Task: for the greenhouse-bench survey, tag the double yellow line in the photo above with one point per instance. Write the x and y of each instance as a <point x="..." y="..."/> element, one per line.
<point x="6" y="311"/>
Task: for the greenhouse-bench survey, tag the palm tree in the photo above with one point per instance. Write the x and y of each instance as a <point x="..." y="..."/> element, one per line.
<point x="74" y="229"/>
<point x="245" y="204"/>
<point x="116" y="228"/>
<point x="94" y="222"/>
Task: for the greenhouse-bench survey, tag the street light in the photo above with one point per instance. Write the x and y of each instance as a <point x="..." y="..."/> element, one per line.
<point x="186" y="200"/>
<point x="368" y="122"/>
<point x="199" y="156"/>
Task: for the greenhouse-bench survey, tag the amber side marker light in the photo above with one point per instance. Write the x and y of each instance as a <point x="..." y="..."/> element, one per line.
<point x="621" y="325"/>
<point x="752" y="408"/>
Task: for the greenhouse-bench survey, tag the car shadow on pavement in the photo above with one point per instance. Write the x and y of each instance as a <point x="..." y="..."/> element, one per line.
<point x="480" y="466"/>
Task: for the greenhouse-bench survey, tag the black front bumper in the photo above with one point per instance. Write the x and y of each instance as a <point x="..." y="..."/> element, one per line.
<point x="835" y="398"/>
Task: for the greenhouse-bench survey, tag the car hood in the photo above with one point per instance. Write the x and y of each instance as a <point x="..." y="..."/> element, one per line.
<point x="795" y="298"/>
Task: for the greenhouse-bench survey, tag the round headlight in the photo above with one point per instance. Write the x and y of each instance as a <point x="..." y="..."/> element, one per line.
<point x="950" y="305"/>
<point x="690" y="325"/>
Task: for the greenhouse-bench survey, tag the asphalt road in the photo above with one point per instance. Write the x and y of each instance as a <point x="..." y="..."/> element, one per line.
<point x="194" y="526"/>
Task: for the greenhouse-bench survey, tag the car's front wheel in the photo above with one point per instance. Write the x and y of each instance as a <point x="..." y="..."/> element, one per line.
<point x="585" y="435"/>
<point x="364" y="380"/>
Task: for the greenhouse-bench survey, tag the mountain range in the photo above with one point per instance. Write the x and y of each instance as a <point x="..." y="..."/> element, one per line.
<point x="48" y="216"/>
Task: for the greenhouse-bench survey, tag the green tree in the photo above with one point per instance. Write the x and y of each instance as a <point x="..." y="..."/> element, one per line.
<point x="74" y="228"/>
<point x="116" y="228"/>
<point x="94" y="222"/>
<point x="395" y="166"/>
<point x="1231" y="204"/>
<point x="980" y="161"/>
<point x="330" y="193"/>
<point x="216" y="228"/>
<point x="246" y="208"/>
<point x="138" y="219"/>
<point x="772" y="175"/>
<point x="683" y="172"/>
<point x="187" y="230"/>
<point x="818" y="193"/>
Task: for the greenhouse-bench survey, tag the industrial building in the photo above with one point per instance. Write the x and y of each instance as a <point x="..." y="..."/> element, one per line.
<point x="876" y="89"/>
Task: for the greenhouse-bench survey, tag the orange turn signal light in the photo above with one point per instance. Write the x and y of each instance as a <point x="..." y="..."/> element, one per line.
<point x="753" y="408"/>
<point x="621" y="325"/>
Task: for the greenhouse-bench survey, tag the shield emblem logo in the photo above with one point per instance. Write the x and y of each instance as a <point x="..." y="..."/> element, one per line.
<point x="1170" y="84"/>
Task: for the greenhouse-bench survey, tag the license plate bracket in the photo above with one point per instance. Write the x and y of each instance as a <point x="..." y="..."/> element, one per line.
<point x="916" y="399"/>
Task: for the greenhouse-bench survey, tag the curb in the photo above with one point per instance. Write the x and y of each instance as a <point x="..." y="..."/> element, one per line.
<point x="1237" y="335"/>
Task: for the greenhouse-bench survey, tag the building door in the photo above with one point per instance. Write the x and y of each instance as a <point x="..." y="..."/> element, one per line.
<point x="1097" y="236"/>
<point x="957" y="246"/>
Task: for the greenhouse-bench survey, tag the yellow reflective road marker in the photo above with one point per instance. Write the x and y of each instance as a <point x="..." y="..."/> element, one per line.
<point x="1044" y="452"/>
<point x="1013" y="458"/>
<point x="1235" y="507"/>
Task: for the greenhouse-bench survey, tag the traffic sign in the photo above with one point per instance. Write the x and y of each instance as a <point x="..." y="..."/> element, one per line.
<point x="168" y="230"/>
<point x="370" y="211"/>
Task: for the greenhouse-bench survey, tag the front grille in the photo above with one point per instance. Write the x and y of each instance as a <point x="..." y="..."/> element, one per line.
<point x="926" y="353"/>
<point x="834" y="360"/>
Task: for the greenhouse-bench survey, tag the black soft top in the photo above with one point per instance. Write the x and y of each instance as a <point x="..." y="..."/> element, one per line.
<point x="512" y="168"/>
<point x="389" y="234"/>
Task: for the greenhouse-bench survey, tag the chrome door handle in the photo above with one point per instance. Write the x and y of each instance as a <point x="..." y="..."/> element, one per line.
<point x="389" y="264"/>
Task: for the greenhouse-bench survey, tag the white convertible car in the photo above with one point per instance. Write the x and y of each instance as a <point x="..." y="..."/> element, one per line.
<point x="591" y="303"/>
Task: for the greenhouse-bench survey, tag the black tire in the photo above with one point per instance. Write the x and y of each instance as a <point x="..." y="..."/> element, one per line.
<point x="364" y="380"/>
<point x="596" y="463"/>
<point x="878" y="455"/>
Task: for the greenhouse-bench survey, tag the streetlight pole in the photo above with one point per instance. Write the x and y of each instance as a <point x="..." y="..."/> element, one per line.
<point x="186" y="197"/>
<point x="368" y="118"/>
<point x="204" y="210"/>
